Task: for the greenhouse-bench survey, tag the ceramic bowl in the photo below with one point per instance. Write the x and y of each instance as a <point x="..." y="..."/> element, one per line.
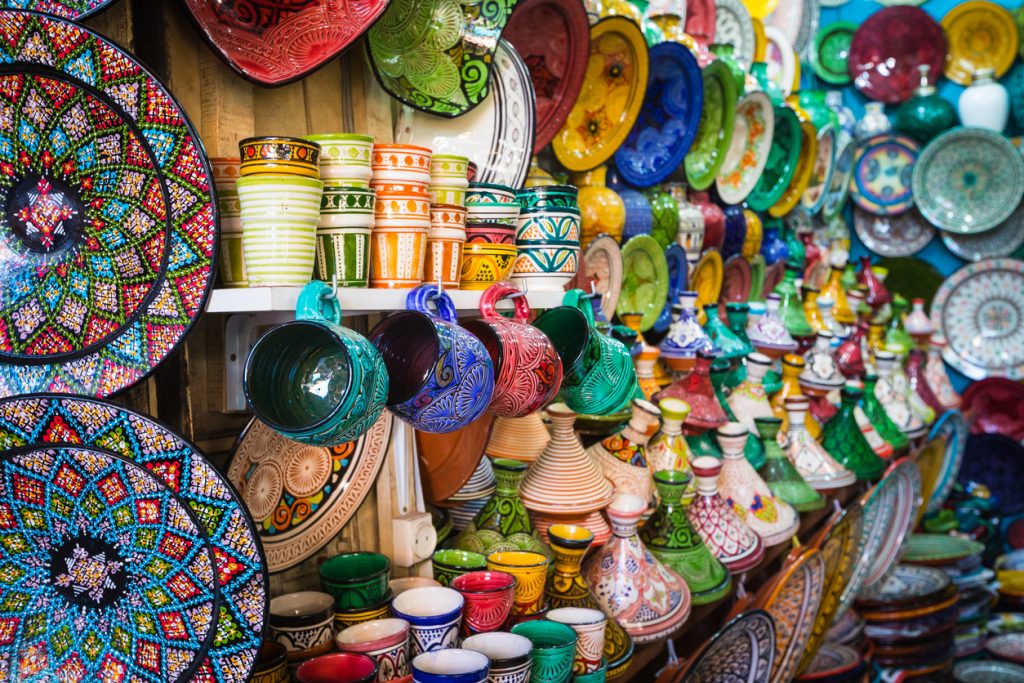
<point x="343" y="618"/>
<point x="491" y="194"/>
<point x="447" y="216"/>
<point x="279" y="155"/>
<point x="384" y="640"/>
<point x="449" y="564"/>
<point x="404" y="583"/>
<point x="450" y="666"/>
<point x="357" y="580"/>
<point x="342" y="667"/>
<point x="434" y="615"/>
<point x="509" y="654"/>
<point x="301" y="622"/>
<point x="485" y="264"/>
<point x="401" y="163"/>
<point x="347" y="207"/>
<point x="449" y="169"/>
<point x="345" y="158"/>
<point x="271" y="664"/>
<point x="441" y="193"/>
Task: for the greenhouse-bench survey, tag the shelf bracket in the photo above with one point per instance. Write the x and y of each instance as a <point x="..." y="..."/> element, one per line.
<point x="240" y="334"/>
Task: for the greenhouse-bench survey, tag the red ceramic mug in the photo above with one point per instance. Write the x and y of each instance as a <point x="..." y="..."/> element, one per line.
<point x="527" y="369"/>
<point x="342" y="667"/>
<point x="488" y="597"/>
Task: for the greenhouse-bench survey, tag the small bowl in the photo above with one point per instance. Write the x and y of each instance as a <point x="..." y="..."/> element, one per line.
<point x="340" y="667"/>
<point x="490" y="194"/>
<point x="449" y="564"/>
<point x="401" y="163"/>
<point x="357" y="580"/>
<point x="504" y="650"/>
<point x="428" y="606"/>
<point x="485" y="264"/>
<point x="370" y="636"/>
<point x="279" y="155"/>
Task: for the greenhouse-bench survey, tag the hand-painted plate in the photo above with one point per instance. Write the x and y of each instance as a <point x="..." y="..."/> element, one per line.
<point x="968" y="180"/>
<point x="831" y="51"/>
<point x="798" y="21"/>
<point x="804" y="166"/>
<point x="757" y="273"/>
<point x="111" y="232"/>
<point x="902" y="235"/>
<point x="1008" y="647"/>
<point x="979" y="309"/>
<point x="435" y="55"/>
<point x="839" y="189"/>
<point x="981" y="35"/>
<point x="821" y="173"/>
<point x="716" y="125"/>
<point x="42" y="420"/>
<point x="749" y="149"/>
<point x="668" y="121"/>
<point x="742" y="650"/>
<point x="907" y="476"/>
<point x="793" y="601"/>
<point x="67" y="9"/>
<point x="497" y="136"/>
<point x="645" y="280"/>
<point x="940" y="549"/>
<point x="706" y="278"/>
<point x="908" y="584"/>
<point x="1001" y="241"/>
<point x="734" y="26"/>
<point x="782" y="161"/>
<point x="879" y="504"/>
<point x="276" y="41"/>
<point x="610" y="99"/>
<point x="301" y="496"/>
<point x="833" y="659"/>
<point x="887" y="49"/>
<point x="951" y="427"/>
<point x="737" y="279"/>
<point x="988" y="672"/>
<point x="782" y="61"/>
<point x="553" y="38"/>
<point x="996" y="406"/>
<point x="700" y="21"/>
<point x="601" y="270"/>
<point x="883" y="167"/>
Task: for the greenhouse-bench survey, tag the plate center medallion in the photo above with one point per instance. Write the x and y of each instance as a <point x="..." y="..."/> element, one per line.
<point x="88" y="571"/>
<point x="44" y="214"/>
<point x="997" y="318"/>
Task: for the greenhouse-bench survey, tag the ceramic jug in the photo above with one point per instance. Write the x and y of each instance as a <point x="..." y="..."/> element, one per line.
<point x="926" y="114"/>
<point x="601" y="209"/>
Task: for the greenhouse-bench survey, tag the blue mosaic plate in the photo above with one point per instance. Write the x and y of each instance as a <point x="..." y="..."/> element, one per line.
<point x="68" y="9"/>
<point x="668" y="121"/>
<point x="42" y="420"/>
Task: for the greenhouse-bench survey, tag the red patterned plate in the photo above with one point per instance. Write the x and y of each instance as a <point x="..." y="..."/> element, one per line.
<point x="995" y="406"/>
<point x="887" y="49"/>
<point x="273" y="42"/>
<point x="700" y="20"/>
<point x="553" y="38"/>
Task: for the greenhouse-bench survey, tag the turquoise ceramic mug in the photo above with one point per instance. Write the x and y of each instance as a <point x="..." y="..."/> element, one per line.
<point x="554" y="647"/>
<point x="313" y="380"/>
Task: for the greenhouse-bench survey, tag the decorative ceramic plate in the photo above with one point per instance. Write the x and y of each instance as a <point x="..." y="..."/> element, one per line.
<point x="887" y="49"/>
<point x="276" y="41"/>
<point x="111" y="230"/>
<point x="678" y="282"/>
<point x="883" y="167"/>
<point x="734" y="26"/>
<point x="968" y="180"/>
<point x="940" y="549"/>
<point x="798" y="21"/>
<point x="904" y="517"/>
<point x="996" y="406"/>
<point x="749" y="149"/>
<point x="804" y="168"/>
<point x="553" y="38"/>
<point x="706" y="278"/>
<point x="839" y="189"/>
<point x="1002" y="240"/>
<point x="435" y="55"/>
<point x="912" y="277"/>
<point x="602" y="271"/>
<point x="700" y="20"/>
<point x="793" y="602"/>
<point x="1008" y="647"/>
<point x="645" y="280"/>
<point x="43" y="420"/>
<point x="821" y="173"/>
<point x="833" y="659"/>
<point x="953" y="429"/>
<point x="668" y="121"/>
<point x="497" y="136"/>
<point x="981" y="35"/>
<point x="782" y="161"/>
<point x="988" y="672"/>
<point x="902" y="235"/>
<point x="301" y="496"/>
<point x="447" y="461"/>
<point x="737" y="280"/>
<point x="879" y="505"/>
<point x="908" y="584"/>
<point x="714" y="134"/>
<point x="781" y="60"/>
<point x="980" y="311"/>
<point x="757" y="273"/>
<point x="742" y="650"/>
<point x="610" y="99"/>
<point x="831" y="50"/>
<point x="68" y="9"/>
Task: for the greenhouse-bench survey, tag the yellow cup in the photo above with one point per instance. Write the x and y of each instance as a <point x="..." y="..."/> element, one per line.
<point x="530" y="570"/>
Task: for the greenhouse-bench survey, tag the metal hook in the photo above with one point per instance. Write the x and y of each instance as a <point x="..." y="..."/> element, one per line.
<point x="440" y="284"/>
<point x="523" y="291"/>
<point x="333" y="294"/>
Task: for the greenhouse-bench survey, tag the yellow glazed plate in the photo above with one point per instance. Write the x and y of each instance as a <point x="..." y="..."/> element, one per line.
<point x="706" y="279"/>
<point x="760" y="41"/>
<point x="804" y="165"/>
<point x="611" y="97"/>
<point x="759" y="9"/>
<point x="980" y="35"/>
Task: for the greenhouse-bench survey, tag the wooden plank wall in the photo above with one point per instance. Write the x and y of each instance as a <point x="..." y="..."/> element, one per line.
<point x="187" y="391"/>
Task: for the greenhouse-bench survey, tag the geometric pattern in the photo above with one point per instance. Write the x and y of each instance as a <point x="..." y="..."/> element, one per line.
<point x="42" y="420"/>
<point x="69" y="9"/>
<point x="108" y="234"/>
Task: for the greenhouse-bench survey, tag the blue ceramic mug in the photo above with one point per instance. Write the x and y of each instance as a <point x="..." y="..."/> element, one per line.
<point x="434" y="614"/>
<point x="442" y="377"/>
<point x="313" y="380"/>
<point x="450" y="666"/>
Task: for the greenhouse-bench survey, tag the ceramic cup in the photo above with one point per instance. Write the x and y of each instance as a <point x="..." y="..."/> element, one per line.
<point x="484" y="264"/>
<point x="357" y="580"/>
<point x="489" y="597"/>
<point x="340" y="667"/>
<point x="343" y="237"/>
<point x="443" y="193"/>
<point x="344" y="158"/>
<point x="313" y="380"/>
<point x="271" y="664"/>
<point x="280" y="214"/>
<point x="404" y="583"/>
<point x="279" y="155"/>
<point x="488" y="233"/>
<point x="527" y="369"/>
<point x="398" y="256"/>
<point x="445" y="241"/>
<point x="547" y="237"/>
<point x="397" y="163"/>
<point x="441" y="375"/>
<point x="554" y="648"/>
<point x="449" y="169"/>
<point x="589" y="625"/>
<point x="449" y="564"/>
<point x="597" y="371"/>
<point x="450" y="666"/>
<point x="386" y="641"/>
<point x="402" y="207"/>
<point x="510" y="655"/>
<point x="301" y="622"/>
<point x="490" y="203"/>
<point x="434" y="615"/>
<point x="530" y="570"/>
<point x="350" y="617"/>
<point x="548" y="198"/>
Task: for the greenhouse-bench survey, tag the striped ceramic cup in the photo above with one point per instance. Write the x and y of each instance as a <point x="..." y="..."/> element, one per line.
<point x="279" y="220"/>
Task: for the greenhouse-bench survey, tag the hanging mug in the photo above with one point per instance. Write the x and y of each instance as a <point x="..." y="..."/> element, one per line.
<point x="441" y="375"/>
<point x="527" y="370"/>
<point x="313" y="380"/>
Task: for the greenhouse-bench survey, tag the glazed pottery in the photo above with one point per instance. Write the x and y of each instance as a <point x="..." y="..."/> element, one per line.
<point x="343" y="236"/>
<point x="882" y="170"/>
<point x="449" y="564"/>
<point x="503" y="523"/>
<point x="442" y="376"/>
<point x="893" y="395"/>
<point x="622" y="456"/>
<point x="743" y="649"/>
<point x="793" y="600"/>
<point x="665" y="212"/>
<point x="529" y="570"/>
<point x="728" y="343"/>
<point x="337" y="380"/>
<point x="714" y="221"/>
<point x="434" y="615"/>
<point x="646" y="598"/>
<point x="851" y="352"/>
<point x="357" y="580"/>
<point x="344" y="159"/>
<point x="602" y="211"/>
<point x="279" y="217"/>
<point x="879" y="417"/>
<point x="777" y="176"/>
<point x="386" y="641"/>
<point x="714" y="133"/>
<point x="485" y="263"/>
<point x="667" y="449"/>
<point x="722" y="530"/>
<point x="398" y="246"/>
<point x="981" y="35"/>
<point x="887" y="49"/>
<point x="445" y="242"/>
<point x="821" y="374"/>
<point x="768" y="334"/>
<point x="645" y="283"/>
<point x="926" y="114"/>
<point x="878" y="505"/>
<point x="918" y="324"/>
<point x="782" y="477"/>
<point x="554" y="649"/>
<point x="749" y="400"/>
<point x="279" y="156"/>
<point x="834" y="290"/>
<point x="301" y="622"/>
<point x="350" y="617"/>
<point x="489" y="597"/>
<point x="547" y="237"/>
<point x="510" y="655"/>
<point x="589" y="625"/>
<point x="685" y="336"/>
<point x="344" y="667"/>
<point x="749" y="148"/>
<point x="690" y="235"/>
<point x="791" y="308"/>
<point x="450" y="666"/>
<point x="816" y="465"/>
<point x="522" y="438"/>
<point x="937" y="377"/>
<point x="792" y="366"/>
<point x="695" y="389"/>
<point x="842" y="438"/>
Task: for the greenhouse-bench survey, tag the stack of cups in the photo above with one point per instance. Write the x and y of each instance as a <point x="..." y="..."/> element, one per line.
<point x="447" y="221"/>
<point x="279" y="195"/>
<point x="226" y="172"/>
<point x="490" y="251"/>
<point x="346" y="211"/>
<point x="449" y="178"/>
<point x="398" y="244"/>
<point x="547" y="237"/>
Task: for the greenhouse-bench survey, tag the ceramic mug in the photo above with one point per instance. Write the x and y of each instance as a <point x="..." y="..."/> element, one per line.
<point x="386" y="641"/>
<point x="589" y="625"/>
<point x="357" y="580"/>
<point x="530" y="570"/>
<point x="344" y="158"/>
<point x="280" y="214"/>
<point x="434" y="615"/>
<point x="340" y="667"/>
<point x="441" y="375"/>
<point x="397" y="163"/>
<point x="301" y="622"/>
<point x="510" y="655"/>
<point x="450" y="666"/>
<point x="489" y="597"/>
<point x="271" y="664"/>
<point x="554" y="648"/>
<point x="279" y="155"/>
<point x="448" y="564"/>
<point x="313" y="380"/>
<point x="527" y="370"/>
<point x="449" y="169"/>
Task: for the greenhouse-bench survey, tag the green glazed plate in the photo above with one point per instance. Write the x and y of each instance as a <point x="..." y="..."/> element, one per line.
<point x="782" y="161"/>
<point x="757" y="271"/>
<point x="714" y="133"/>
<point x="831" y="48"/>
<point x="645" y="281"/>
<point x="939" y="549"/>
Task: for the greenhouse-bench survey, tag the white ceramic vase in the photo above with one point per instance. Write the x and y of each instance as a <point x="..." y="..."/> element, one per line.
<point x="984" y="103"/>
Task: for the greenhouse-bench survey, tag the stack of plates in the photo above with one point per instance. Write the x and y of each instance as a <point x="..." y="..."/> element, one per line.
<point x="1010" y="568"/>
<point x="836" y="664"/>
<point x="849" y="631"/>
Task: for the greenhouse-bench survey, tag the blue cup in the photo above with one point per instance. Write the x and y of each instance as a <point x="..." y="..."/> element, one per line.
<point x="450" y="666"/>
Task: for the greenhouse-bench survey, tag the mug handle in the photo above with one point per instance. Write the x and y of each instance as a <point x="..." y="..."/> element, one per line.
<point x="318" y="302"/>
<point x="577" y="298"/>
<point x="419" y="300"/>
<point x="504" y="290"/>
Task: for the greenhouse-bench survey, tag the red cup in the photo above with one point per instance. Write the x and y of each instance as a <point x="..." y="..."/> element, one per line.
<point x="343" y="667"/>
<point x="488" y="599"/>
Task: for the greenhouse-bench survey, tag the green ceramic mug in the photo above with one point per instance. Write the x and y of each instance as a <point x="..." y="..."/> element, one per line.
<point x="598" y="375"/>
<point x="313" y="380"/>
<point x="449" y="564"/>
<point x="358" y="580"/>
<point x="554" y="646"/>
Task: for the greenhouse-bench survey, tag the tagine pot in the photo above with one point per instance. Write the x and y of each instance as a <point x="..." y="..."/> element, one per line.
<point x="815" y="465"/>
<point x="842" y="438"/>
<point x="723" y="532"/>
<point x="779" y="473"/>
<point x="622" y="456"/>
